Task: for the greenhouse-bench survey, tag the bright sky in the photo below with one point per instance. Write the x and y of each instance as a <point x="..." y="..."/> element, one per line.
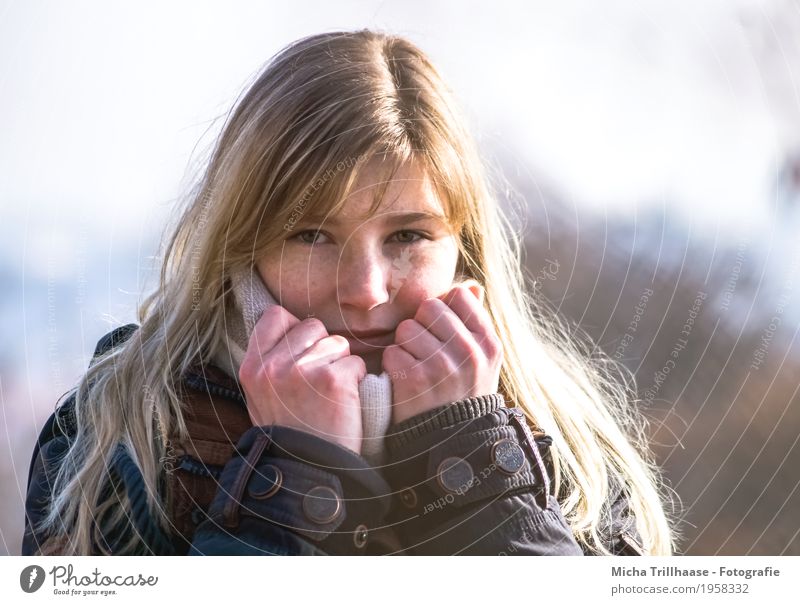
<point x="615" y="104"/>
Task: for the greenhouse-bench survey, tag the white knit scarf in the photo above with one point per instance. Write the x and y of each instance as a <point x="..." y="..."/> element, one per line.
<point x="251" y="299"/>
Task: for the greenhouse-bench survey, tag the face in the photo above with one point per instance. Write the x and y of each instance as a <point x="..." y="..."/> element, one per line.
<point x="365" y="275"/>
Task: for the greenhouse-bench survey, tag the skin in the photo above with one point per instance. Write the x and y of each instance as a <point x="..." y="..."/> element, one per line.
<point x="361" y="274"/>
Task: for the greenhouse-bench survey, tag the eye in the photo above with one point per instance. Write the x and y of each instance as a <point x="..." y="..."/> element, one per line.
<point x="416" y="234"/>
<point x="310" y="236"/>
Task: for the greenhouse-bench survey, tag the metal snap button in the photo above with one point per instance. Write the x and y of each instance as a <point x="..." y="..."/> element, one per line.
<point x="508" y="456"/>
<point x="265" y="482"/>
<point x="455" y="475"/>
<point x="322" y="504"/>
<point x="360" y="535"/>
<point x="408" y="497"/>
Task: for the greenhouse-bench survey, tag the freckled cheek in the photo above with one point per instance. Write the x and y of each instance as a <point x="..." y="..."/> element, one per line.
<point x="429" y="277"/>
<point x="298" y="284"/>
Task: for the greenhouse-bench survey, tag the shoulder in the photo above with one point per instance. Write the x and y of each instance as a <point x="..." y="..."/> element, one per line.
<point x="113" y="338"/>
<point x="61" y="426"/>
<point x="52" y="445"/>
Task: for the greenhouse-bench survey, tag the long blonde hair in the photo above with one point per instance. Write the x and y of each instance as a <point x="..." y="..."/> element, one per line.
<point x="296" y="140"/>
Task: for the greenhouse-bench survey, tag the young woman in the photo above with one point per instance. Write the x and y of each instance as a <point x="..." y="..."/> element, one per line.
<point x="345" y="185"/>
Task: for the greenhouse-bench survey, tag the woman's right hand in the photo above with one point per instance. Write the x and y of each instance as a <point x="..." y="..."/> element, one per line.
<point x="295" y="374"/>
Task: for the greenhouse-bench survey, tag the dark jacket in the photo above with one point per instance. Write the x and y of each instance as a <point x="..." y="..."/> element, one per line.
<point x="466" y="478"/>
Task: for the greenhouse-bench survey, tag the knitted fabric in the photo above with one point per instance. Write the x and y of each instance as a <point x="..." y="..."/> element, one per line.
<point x="251" y="298"/>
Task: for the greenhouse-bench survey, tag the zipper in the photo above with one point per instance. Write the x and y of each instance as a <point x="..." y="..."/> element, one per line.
<point x="202" y="384"/>
<point x="197" y="467"/>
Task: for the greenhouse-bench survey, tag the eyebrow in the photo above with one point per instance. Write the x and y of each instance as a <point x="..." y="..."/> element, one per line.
<point x="393" y="219"/>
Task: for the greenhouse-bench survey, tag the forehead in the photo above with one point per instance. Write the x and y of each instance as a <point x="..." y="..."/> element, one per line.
<point x="382" y="194"/>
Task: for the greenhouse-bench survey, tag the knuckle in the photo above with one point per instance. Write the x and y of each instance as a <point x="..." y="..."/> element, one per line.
<point x="276" y="310"/>
<point x="405" y="329"/>
<point x="245" y="371"/>
<point x="462" y="293"/>
<point x="494" y="348"/>
<point x="297" y="374"/>
<point x="490" y="343"/>
<point x="475" y="363"/>
<point x="454" y="367"/>
<point x="475" y="348"/>
<point x="430" y="308"/>
<point x="442" y="365"/>
<point x="277" y="314"/>
<point x="326" y="379"/>
<point x="464" y="342"/>
<point x="272" y="311"/>
<point x="430" y="373"/>
<point x="390" y="354"/>
<point x="340" y="341"/>
<point x="314" y="323"/>
<point x="270" y="367"/>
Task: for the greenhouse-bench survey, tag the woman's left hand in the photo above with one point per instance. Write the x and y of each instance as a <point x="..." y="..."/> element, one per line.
<point x="447" y="352"/>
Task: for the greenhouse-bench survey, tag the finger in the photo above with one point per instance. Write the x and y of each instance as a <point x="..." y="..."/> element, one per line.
<point x="473" y="286"/>
<point x="302" y="336"/>
<point x="478" y="291"/>
<point x="416" y="340"/>
<point x="442" y="322"/>
<point x="469" y="309"/>
<point x="271" y="327"/>
<point x="351" y="365"/>
<point x="325" y="351"/>
<point x="396" y="358"/>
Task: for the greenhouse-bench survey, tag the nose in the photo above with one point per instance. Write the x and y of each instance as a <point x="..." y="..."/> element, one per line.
<point x="363" y="277"/>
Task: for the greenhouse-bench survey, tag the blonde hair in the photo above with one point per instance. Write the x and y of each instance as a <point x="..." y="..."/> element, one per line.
<point x="296" y="140"/>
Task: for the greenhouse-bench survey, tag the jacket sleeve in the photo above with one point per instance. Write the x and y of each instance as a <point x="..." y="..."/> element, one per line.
<point x="40" y="477"/>
<point x="50" y="447"/>
<point x="114" y="531"/>
<point x="619" y="533"/>
<point x="288" y="492"/>
<point x="467" y="480"/>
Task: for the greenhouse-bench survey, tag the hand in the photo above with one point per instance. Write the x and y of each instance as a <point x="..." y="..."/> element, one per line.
<point x="447" y="352"/>
<point x="295" y="374"/>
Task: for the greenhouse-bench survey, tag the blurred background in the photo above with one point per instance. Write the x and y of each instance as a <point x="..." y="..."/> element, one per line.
<point x="649" y="151"/>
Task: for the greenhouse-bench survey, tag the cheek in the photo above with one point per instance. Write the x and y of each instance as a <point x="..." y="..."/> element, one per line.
<point x="429" y="273"/>
<point x="292" y="280"/>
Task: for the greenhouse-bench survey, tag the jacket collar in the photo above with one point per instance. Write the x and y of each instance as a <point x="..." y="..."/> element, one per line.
<point x="211" y="379"/>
